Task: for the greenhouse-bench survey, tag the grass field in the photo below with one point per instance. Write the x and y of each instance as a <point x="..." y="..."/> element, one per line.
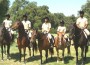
<point x="14" y="59"/>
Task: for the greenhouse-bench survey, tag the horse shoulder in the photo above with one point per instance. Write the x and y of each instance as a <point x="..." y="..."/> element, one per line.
<point x="56" y="40"/>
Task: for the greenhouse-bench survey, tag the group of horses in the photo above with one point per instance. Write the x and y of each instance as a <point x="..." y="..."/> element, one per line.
<point x="60" y="43"/>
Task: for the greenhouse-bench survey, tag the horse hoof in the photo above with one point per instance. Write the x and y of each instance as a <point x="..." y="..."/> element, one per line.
<point x="32" y="56"/>
<point x="82" y="64"/>
<point x="57" y="61"/>
<point x="76" y="63"/>
<point x="62" y="61"/>
<point x="2" y="60"/>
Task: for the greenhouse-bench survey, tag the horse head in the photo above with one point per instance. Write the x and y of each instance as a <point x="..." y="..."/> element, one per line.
<point x="33" y="35"/>
<point x="17" y="25"/>
<point x="75" y="31"/>
<point x="60" y="37"/>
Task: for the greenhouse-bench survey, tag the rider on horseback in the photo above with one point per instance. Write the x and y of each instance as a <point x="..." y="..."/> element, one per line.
<point x="62" y="28"/>
<point x="82" y="23"/>
<point x="7" y="23"/>
<point x="27" y="25"/>
<point x="46" y="26"/>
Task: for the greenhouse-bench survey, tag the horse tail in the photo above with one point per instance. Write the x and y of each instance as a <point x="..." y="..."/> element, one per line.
<point x="51" y="51"/>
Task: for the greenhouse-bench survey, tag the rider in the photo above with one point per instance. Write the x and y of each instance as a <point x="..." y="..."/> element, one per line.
<point x="27" y="25"/>
<point x="62" y="28"/>
<point x="46" y="26"/>
<point x="82" y="23"/>
<point x="7" y="23"/>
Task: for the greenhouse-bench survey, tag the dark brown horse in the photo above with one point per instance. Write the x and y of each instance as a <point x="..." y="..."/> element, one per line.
<point x="43" y="44"/>
<point x="5" y="40"/>
<point x="33" y="40"/>
<point x="22" y="40"/>
<point x="60" y="43"/>
<point x="79" y="41"/>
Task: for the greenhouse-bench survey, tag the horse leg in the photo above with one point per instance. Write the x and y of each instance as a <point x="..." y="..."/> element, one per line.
<point x="76" y="49"/>
<point x="33" y="51"/>
<point x="51" y="56"/>
<point x="8" y="49"/>
<point x="2" y="51"/>
<point x="82" y="54"/>
<point x="24" y="53"/>
<point x="86" y="50"/>
<point x="41" y="55"/>
<point x="20" y="53"/>
<point x="57" y="55"/>
<point x="63" y="55"/>
<point x="29" y="50"/>
<point x="68" y="50"/>
<point x="46" y="54"/>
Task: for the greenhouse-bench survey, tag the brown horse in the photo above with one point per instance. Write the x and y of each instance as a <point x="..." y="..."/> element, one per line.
<point x="5" y="40"/>
<point x="33" y="41"/>
<point x="60" y="43"/>
<point x="22" y="40"/>
<point x="43" y="44"/>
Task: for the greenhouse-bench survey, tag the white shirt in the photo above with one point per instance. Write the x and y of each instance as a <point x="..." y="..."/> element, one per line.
<point x="46" y="27"/>
<point x="7" y="23"/>
<point x="61" y="29"/>
<point x="27" y="24"/>
<point x="81" y="22"/>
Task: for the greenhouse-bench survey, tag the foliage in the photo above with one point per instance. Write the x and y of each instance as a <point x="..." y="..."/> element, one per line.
<point x="4" y="5"/>
<point x="86" y="8"/>
<point x="37" y="13"/>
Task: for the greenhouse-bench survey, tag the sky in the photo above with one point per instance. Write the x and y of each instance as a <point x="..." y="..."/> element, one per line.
<point x="67" y="7"/>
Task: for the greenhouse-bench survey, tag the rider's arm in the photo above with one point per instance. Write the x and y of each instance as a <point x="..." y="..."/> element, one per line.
<point x="29" y="24"/>
<point x="64" y="30"/>
<point x="86" y="23"/>
<point x="58" y="30"/>
<point x="3" y="23"/>
<point x="77" y="23"/>
<point x="49" y="27"/>
<point x="42" y="27"/>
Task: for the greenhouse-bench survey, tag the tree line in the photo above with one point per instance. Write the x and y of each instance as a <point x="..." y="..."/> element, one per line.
<point x="37" y="13"/>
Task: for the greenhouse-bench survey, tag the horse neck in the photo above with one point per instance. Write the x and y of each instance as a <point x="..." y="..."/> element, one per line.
<point x="40" y="36"/>
<point x="21" y="31"/>
<point x="78" y="31"/>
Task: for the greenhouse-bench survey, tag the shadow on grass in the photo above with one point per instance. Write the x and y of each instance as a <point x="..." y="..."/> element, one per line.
<point x="68" y="58"/>
<point x="16" y="56"/>
<point x="50" y="60"/>
<point x="33" y="58"/>
<point x="54" y="59"/>
<point x="86" y="61"/>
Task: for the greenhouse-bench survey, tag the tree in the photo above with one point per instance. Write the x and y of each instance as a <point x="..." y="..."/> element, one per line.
<point x="4" y="5"/>
<point x="86" y="9"/>
<point x="17" y="9"/>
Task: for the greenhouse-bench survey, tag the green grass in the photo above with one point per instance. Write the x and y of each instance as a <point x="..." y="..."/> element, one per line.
<point x="14" y="53"/>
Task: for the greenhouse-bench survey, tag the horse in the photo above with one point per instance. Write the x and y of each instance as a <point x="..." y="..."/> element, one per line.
<point x="80" y="40"/>
<point x="23" y="39"/>
<point x="33" y="40"/>
<point x="43" y="44"/>
<point x="60" y="44"/>
<point x="5" y="40"/>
